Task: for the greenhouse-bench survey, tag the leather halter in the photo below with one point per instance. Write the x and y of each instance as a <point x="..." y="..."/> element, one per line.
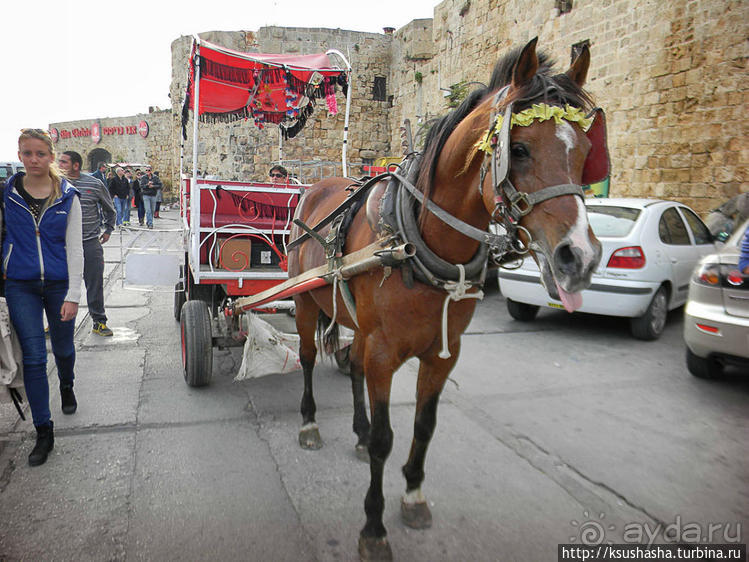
<point x="512" y="205"/>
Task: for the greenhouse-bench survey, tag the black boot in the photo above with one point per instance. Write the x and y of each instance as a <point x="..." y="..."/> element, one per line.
<point x="45" y="442"/>
<point x="67" y="398"/>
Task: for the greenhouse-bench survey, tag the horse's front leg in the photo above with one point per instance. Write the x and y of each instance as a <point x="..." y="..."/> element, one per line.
<point x="306" y="322"/>
<point x="433" y="373"/>
<point x="379" y="366"/>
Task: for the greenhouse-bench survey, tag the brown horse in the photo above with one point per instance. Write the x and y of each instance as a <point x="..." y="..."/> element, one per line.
<point x="532" y="187"/>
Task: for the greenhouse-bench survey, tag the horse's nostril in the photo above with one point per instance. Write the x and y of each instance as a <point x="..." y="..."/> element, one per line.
<point x="566" y="259"/>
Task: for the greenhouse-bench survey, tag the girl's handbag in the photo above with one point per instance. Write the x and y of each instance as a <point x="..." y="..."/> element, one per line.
<point x="11" y="362"/>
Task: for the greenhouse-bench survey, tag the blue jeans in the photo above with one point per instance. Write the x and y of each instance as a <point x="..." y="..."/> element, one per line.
<point x="149" y="202"/>
<point x="120" y="205"/>
<point x="27" y="301"/>
<point x="126" y="213"/>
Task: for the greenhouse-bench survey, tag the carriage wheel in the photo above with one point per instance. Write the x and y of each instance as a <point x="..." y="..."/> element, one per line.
<point x="197" y="343"/>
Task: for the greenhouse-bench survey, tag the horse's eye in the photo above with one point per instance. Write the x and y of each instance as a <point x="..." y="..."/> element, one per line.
<point x="519" y="150"/>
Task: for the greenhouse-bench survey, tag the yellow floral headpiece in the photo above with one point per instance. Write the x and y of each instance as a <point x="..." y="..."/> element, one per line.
<point x="538" y="112"/>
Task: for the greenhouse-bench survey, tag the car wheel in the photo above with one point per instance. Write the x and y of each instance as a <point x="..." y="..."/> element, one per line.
<point x="650" y="325"/>
<point x="704" y="368"/>
<point x="521" y="311"/>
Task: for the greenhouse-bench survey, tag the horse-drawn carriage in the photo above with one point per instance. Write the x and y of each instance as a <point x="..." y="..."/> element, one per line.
<point x="236" y="232"/>
<point x="401" y="258"/>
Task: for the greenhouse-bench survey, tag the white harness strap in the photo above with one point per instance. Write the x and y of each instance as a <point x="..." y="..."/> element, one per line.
<point x="456" y="291"/>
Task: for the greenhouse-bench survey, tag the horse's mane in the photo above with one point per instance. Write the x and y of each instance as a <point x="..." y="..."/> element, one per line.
<point x="545" y="87"/>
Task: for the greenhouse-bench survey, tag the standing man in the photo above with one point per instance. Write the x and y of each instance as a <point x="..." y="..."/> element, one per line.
<point x="130" y="194"/>
<point x="101" y="172"/>
<point x="95" y="202"/>
<point x="119" y="189"/>
<point x="149" y="187"/>
<point x="138" y="193"/>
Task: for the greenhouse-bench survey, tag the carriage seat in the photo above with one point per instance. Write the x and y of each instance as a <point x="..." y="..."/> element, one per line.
<point x="261" y="210"/>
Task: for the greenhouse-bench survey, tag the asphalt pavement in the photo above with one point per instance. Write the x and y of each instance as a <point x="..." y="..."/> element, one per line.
<point x="546" y="432"/>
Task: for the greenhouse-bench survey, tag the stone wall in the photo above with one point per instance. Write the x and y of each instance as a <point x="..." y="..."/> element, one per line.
<point x="671" y="75"/>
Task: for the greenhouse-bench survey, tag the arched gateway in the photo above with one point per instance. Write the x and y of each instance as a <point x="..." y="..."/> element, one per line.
<point x="98" y="155"/>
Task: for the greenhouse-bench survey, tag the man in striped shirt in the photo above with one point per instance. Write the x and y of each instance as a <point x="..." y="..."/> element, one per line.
<point x="95" y="203"/>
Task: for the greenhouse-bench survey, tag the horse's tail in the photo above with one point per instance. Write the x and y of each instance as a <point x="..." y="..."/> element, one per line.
<point x="328" y="339"/>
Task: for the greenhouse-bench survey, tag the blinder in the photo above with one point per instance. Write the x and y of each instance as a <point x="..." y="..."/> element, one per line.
<point x="597" y="164"/>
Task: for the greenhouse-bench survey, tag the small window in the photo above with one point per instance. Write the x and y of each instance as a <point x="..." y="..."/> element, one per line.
<point x="699" y="231"/>
<point x="577" y="48"/>
<point x="379" y="91"/>
<point x="671" y="229"/>
<point x="564" y="6"/>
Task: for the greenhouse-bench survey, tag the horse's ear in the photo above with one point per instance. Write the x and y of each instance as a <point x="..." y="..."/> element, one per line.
<point x="526" y="66"/>
<point x="579" y="69"/>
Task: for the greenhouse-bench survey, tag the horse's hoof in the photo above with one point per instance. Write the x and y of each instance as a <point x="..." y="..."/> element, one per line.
<point x="416" y="515"/>
<point x="374" y="549"/>
<point x="309" y="437"/>
<point x="362" y="453"/>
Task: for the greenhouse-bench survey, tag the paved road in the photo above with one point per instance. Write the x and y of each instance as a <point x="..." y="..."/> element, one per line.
<point x="547" y="432"/>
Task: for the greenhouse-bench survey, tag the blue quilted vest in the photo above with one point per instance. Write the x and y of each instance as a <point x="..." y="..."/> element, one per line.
<point x="32" y="251"/>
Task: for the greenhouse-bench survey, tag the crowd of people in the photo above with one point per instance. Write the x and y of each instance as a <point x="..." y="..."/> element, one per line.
<point x="129" y="188"/>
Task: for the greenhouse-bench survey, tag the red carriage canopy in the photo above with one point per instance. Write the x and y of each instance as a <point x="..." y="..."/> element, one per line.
<point x="268" y="88"/>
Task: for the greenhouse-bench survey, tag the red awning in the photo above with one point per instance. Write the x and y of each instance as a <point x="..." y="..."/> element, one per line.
<point x="268" y="88"/>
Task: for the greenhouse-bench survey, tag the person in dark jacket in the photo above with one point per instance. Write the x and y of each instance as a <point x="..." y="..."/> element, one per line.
<point x="119" y="189"/>
<point x="130" y="195"/>
<point x="150" y="184"/>
<point x="138" y="195"/>
<point x="101" y="172"/>
<point x="42" y="257"/>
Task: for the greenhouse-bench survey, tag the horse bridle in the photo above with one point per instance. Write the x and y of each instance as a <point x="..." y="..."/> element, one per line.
<point x="510" y="204"/>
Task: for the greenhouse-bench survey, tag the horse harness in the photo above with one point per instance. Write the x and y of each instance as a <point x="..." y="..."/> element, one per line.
<point x="398" y="219"/>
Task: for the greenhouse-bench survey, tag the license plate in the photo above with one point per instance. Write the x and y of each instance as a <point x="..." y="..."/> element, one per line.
<point x="555" y="305"/>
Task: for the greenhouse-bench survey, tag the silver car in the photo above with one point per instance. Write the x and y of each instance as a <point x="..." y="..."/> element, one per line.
<point x="716" y="316"/>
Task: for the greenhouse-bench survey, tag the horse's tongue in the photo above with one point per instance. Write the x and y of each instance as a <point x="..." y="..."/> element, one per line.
<point x="571" y="301"/>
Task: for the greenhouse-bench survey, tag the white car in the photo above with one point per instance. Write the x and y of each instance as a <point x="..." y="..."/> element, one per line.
<point x="649" y="249"/>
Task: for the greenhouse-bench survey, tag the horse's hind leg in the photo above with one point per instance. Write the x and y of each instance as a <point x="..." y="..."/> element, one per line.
<point x="361" y="422"/>
<point x="415" y="511"/>
<point x="306" y="323"/>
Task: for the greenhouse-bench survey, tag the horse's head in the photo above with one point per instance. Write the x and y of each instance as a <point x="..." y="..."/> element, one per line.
<point x="540" y="154"/>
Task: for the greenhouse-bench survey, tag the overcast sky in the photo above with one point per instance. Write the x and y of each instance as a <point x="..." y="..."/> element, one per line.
<point x="66" y="60"/>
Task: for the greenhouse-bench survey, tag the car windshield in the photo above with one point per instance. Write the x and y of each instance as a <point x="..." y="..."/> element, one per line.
<point x="612" y="221"/>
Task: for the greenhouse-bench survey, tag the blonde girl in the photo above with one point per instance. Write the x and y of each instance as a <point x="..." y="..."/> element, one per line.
<point x="42" y="260"/>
